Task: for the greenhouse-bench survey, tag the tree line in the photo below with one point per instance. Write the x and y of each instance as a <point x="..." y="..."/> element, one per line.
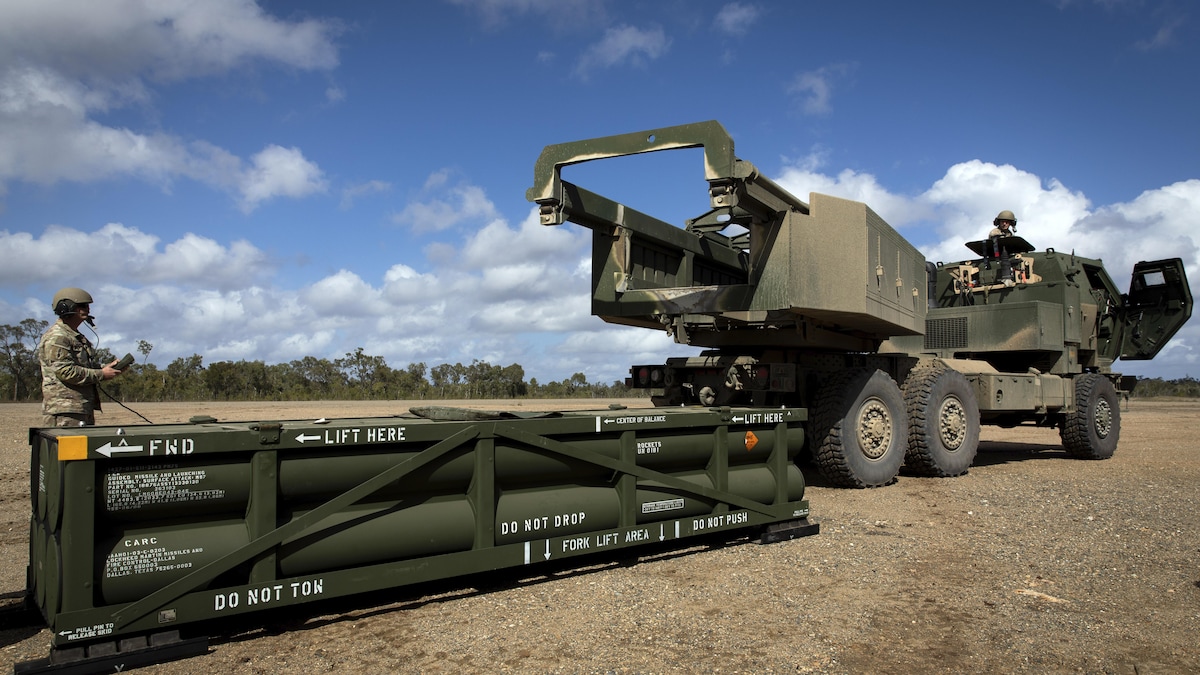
<point x="356" y="376"/>
<point x="1187" y="387"/>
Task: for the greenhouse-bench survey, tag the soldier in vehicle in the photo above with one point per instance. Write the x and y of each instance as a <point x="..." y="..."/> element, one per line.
<point x="1004" y="225"/>
<point x="70" y="374"/>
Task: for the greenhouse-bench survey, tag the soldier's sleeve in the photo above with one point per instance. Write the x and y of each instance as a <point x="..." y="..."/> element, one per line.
<point x="62" y="361"/>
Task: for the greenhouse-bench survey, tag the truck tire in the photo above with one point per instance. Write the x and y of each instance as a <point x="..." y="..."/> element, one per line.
<point x="1091" y="431"/>
<point x="860" y="429"/>
<point x="943" y="421"/>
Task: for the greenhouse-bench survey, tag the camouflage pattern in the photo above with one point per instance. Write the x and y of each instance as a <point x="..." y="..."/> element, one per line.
<point x="820" y="304"/>
<point x="68" y="420"/>
<point x="70" y="374"/>
<point x="760" y="268"/>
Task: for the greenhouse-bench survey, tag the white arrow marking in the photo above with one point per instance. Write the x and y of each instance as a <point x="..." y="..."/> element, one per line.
<point x="547" y="549"/>
<point x="302" y="438"/>
<point x="108" y="450"/>
<point x="738" y="419"/>
<point x="662" y="532"/>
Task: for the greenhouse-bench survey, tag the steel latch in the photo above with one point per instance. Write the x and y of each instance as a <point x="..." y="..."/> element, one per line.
<point x="268" y="432"/>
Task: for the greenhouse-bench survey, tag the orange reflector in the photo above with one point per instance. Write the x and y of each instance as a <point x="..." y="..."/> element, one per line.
<point x="751" y="440"/>
<point x="72" y="447"/>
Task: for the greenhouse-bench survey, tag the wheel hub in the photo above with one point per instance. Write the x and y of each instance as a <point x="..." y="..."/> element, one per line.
<point x="952" y="423"/>
<point x="874" y="428"/>
<point x="1104" y="418"/>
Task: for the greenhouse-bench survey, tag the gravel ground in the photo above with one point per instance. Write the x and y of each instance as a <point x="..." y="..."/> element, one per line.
<point x="1031" y="563"/>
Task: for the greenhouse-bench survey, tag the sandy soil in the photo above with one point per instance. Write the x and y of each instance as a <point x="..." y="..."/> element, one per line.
<point x="1031" y="563"/>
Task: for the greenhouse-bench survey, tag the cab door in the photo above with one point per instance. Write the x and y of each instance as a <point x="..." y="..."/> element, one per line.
<point x="1159" y="302"/>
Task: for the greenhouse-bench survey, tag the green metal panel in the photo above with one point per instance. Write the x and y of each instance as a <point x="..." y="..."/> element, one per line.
<point x="997" y="392"/>
<point x="152" y="527"/>
<point x="1158" y="304"/>
<point x="832" y="274"/>
<point x="1082" y="320"/>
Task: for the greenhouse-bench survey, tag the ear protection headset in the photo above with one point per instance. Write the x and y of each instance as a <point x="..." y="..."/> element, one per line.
<point x="65" y="307"/>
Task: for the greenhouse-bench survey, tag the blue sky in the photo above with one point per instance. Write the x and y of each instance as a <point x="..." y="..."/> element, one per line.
<point x="271" y="180"/>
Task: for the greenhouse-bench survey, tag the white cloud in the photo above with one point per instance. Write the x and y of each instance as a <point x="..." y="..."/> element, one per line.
<point x="343" y="295"/>
<point x="279" y="172"/>
<point x="1157" y="224"/>
<point x="116" y="251"/>
<point x="1163" y="20"/>
<point x="736" y="18"/>
<point x="537" y="315"/>
<point x="802" y="178"/>
<point x="446" y="206"/>
<point x="164" y="40"/>
<point x="404" y="287"/>
<point x="45" y="135"/>
<point x="62" y="64"/>
<point x="298" y="345"/>
<point x="356" y="192"/>
<point x="530" y="242"/>
<point x="814" y="88"/>
<point x="481" y="306"/>
<point x="970" y="195"/>
<point x="563" y="14"/>
<point x="1164" y="37"/>
<point x="623" y="45"/>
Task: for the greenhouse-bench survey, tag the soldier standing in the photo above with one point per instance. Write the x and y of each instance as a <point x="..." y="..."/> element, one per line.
<point x="70" y="374"/>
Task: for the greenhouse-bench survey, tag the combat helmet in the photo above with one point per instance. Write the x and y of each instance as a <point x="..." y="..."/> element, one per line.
<point x="1005" y="215"/>
<point x="67" y="299"/>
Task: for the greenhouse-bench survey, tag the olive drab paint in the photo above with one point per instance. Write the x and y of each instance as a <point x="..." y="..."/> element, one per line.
<point x="799" y="303"/>
<point x="128" y="537"/>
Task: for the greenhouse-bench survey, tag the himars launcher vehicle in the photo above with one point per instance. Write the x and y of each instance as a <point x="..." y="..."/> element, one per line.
<point x="821" y="305"/>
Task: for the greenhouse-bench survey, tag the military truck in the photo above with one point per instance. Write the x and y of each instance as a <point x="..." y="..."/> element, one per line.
<point x="821" y="305"/>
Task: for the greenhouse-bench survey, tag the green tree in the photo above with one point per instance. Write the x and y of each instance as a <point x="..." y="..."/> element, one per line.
<point x="185" y="379"/>
<point x="144" y="348"/>
<point x="319" y="378"/>
<point x="18" y="358"/>
<point x="142" y="383"/>
<point x="357" y="375"/>
<point x="447" y="380"/>
<point x="410" y="382"/>
<point x="512" y="381"/>
<point x="576" y="384"/>
<point x="366" y="375"/>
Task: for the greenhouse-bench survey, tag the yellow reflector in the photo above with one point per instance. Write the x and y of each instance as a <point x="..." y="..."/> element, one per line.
<point x="72" y="447"/>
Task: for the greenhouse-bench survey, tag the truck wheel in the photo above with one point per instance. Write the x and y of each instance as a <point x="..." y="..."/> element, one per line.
<point x="943" y="421"/>
<point x="860" y="429"/>
<point x="1092" y="430"/>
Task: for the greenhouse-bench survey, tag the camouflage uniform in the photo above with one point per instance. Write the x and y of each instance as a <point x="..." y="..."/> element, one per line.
<point x="70" y="374"/>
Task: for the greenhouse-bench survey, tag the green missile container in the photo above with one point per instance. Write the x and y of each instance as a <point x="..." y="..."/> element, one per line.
<point x="152" y="528"/>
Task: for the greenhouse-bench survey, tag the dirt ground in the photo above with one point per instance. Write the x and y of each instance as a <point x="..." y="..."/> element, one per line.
<point x="1031" y="563"/>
